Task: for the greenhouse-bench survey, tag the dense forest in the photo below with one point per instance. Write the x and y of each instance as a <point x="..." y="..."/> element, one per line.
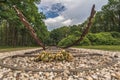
<point x="104" y="31"/>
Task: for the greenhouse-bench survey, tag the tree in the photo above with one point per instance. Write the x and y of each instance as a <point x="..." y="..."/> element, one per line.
<point x="109" y="18"/>
<point x="18" y="33"/>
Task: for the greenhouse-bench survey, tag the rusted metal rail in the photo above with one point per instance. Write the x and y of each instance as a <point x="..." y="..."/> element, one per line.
<point x="86" y="29"/>
<point x="28" y="26"/>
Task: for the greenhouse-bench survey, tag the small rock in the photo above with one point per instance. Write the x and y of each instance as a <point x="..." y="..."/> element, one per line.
<point x="31" y="78"/>
<point x="58" y="78"/>
<point x="1" y="75"/>
<point x="24" y="75"/>
<point x="71" y="78"/>
<point x="107" y="76"/>
<point x="66" y="73"/>
<point x="80" y="78"/>
<point x="89" y="78"/>
<point x="94" y="77"/>
<point x="75" y="76"/>
<point x="47" y="74"/>
<point x="36" y="76"/>
<point x="40" y="73"/>
<point x="5" y="79"/>
<point x="118" y="75"/>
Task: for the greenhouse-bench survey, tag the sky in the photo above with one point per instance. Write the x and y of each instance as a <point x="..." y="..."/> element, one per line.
<point x="67" y="12"/>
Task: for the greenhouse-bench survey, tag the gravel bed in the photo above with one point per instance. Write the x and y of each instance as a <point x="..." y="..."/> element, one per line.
<point x="86" y="62"/>
<point x="105" y="73"/>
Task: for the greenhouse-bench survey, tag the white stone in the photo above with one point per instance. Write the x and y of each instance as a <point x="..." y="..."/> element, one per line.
<point x="70" y="78"/>
<point x="58" y="78"/>
<point x="1" y="75"/>
<point x="94" y="77"/>
<point x="81" y="78"/>
<point x="89" y="78"/>
<point x="107" y="76"/>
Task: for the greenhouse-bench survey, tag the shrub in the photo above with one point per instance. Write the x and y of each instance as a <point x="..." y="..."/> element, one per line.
<point x="85" y="42"/>
<point x="103" y="38"/>
<point x="60" y="56"/>
<point x="45" y="56"/>
<point x="63" y="55"/>
<point x="77" y="33"/>
<point x="116" y="42"/>
<point x="92" y="38"/>
<point x="67" y="41"/>
<point x="115" y="34"/>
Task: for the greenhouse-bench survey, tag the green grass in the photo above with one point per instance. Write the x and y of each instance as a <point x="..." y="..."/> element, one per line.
<point x="102" y="47"/>
<point x="8" y="49"/>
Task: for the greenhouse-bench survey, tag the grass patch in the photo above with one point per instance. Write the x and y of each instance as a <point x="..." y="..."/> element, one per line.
<point x="102" y="47"/>
<point x="8" y="49"/>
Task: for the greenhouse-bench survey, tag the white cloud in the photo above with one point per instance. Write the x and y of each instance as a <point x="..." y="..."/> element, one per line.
<point x="76" y="11"/>
<point x="50" y="20"/>
<point x="67" y="22"/>
<point x="59" y="18"/>
<point x="54" y="20"/>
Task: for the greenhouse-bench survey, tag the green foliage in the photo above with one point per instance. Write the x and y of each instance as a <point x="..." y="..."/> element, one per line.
<point x="58" y="34"/>
<point x="116" y="42"/>
<point x="77" y="33"/>
<point x="115" y="34"/>
<point x="85" y="42"/>
<point x="45" y="56"/>
<point x="75" y="28"/>
<point x="91" y="37"/>
<point x="67" y="41"/>
<point x="103" y="38"/>
<point x="60" y="56"/>
<point x="108" y="19"/>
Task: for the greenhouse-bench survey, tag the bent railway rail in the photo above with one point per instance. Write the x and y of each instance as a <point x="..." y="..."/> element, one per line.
<point x="28" y="26"/>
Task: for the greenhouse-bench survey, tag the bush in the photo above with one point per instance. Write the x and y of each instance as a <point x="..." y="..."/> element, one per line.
<point x="77" y="33"/>
<point x="85" y="42"/>
<point x="60" y="56"/>
<point x="115" y="34"/>
<point x="116" y="42"/>
<point x="103" y="38"/>
<point x="92" y="38"/>
<point x="67" y="41"/>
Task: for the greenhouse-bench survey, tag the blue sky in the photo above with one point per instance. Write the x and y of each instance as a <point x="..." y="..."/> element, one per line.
<point x="67" y="12"/>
